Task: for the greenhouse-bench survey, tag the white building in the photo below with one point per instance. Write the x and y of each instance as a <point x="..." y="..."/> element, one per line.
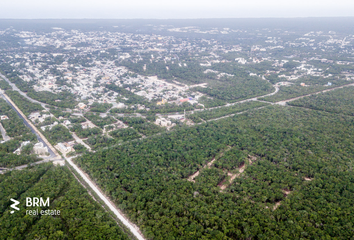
<point x="18" y="151"/>
<point x="49" y="127"/>
<point x="64" y="147"/>
<point x="67" y="122"/>
<point x="40" y="149"/>
<point x="4" y="117"/>
<point x="163" y="122"/>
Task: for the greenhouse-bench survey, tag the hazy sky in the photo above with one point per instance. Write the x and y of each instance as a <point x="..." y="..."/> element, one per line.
<point x="117" y="9"/>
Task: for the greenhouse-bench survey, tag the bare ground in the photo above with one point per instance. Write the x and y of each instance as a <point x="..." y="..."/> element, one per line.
<point x="194" y="175"/>
<point x="286" y="192"/>
<point x="276" y="205"/>
<point x="232" y="176"/>
<point x="191" y="178"/>
<point x="251" y="159"/>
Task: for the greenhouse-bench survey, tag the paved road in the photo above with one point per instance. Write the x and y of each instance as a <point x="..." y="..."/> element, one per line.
<point x="283" y="103"/>
<point x="15" y="88"/>
<point x="132" y="227"/>
<point x="230" y="104"/>
<point x="231" y="115"/>
<point x="39" y="138"/>
<point x="48" y="159"/>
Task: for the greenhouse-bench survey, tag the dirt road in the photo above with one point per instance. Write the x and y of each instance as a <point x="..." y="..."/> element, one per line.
<point x="132" y="227"/>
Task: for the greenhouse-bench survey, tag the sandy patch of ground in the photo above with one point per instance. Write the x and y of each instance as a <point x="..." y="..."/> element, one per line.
<point x="232" y="177"/>
<point x="251" y="159"/>
<point x="286" y="192"/>
<point x="241" y="169"/>
<point x="194" y="175"/>
<point x="191" y="178"/>
<point x="276" y="205"/>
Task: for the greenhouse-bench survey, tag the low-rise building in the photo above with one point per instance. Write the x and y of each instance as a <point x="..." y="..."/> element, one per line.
<point x="40" y="149"/>
<point x="82" y="105"/>
<point x="163" y="122"/>
<point x="4" y="117"/>
<point x="18" y="151"/>
<point x="49" y="127"/>
<point x="66" y="122"/>
<point x="64" y="148"/>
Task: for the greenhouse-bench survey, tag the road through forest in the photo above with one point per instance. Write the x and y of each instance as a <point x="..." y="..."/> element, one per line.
<point x="132" y="227"/>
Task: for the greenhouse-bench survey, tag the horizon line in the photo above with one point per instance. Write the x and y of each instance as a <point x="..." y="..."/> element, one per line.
<point x="206" y="18"/>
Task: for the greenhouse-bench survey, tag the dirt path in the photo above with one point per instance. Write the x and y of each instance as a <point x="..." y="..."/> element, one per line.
<point x="277" y="204"/>
<point x="194" y="175"/>
<point x="4" y="134"/>
<point x="233" y="176"/>
<point x="283" y="103"/>
<point x="79" y="140"/>
<point x="241" y="169"/>
<point x="234" y="103"/>
<point x="191" y="178"/>
<point x="231" y="115"/>
<point x="132" y="227"/>
<point x="211" y="162"/>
